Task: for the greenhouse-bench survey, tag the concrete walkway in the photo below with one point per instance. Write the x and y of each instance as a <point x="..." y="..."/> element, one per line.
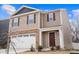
<point x="49" y="52"/>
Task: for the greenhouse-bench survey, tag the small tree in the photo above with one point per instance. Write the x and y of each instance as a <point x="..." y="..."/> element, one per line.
<point x="8" y="45"/>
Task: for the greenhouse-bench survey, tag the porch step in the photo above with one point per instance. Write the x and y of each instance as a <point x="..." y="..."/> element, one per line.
<point x="46" y="49"/>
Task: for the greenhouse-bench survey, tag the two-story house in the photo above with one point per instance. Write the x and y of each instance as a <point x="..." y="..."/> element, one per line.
<point x="32" y="27"/>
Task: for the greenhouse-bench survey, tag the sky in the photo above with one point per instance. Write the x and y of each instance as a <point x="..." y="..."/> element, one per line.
<point x="7" y="10"/>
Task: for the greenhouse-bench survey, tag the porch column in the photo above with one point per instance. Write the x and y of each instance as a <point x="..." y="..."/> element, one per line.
<point x="40" y="38"/>
<point x="61" y="39"/>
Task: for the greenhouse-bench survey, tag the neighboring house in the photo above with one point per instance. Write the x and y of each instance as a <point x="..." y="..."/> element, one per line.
<point x="4" y="25"/>
<point x="32" y="27"/>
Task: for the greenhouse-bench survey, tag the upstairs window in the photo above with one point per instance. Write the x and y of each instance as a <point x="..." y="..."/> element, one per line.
<point x="51" y="17"/>
<point x="31" y="19"/>
<point x="15" y="22"/>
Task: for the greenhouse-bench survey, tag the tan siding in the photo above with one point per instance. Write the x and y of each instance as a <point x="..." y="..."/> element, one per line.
<point x="23" y="24"/>
<point x="57" y="22"/>
<point x="28" y="32"/>
<point x="66" y="30"/>
<point x="45" y="39"/>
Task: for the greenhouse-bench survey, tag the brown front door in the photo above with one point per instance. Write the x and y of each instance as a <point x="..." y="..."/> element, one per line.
<point x="52" y="39"/>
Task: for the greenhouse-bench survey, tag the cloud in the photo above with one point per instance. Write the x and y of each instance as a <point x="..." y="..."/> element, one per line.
<point x="75" y="12"/>
<point x="70" y="15"/>
<point x="73" y="18"/>
<point x="9" y="8"/>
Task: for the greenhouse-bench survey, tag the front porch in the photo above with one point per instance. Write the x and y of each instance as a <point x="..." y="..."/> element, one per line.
<point x="51" y="37"/>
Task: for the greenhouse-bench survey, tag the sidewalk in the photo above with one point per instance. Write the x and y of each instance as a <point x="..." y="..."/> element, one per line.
<point x="47" y="52"/>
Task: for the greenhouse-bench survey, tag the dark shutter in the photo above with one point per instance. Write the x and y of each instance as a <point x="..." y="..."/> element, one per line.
<point x="34" y="18"/>
<point x="18" y="21"/>
<point x="27" y="19"/>
<point x="12" y="22"/>
<point x="54" y="17"/>
<point x="47" y="17"/>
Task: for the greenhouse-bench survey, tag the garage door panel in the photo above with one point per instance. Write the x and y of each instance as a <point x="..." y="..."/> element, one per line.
<point x="24" y="41"/>
<point x="32" y="38"/>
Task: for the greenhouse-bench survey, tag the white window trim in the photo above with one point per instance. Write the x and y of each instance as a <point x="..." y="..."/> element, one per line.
<point x="50" y="17"/>
<point x="30" y="19"/>
<point x="15" y="22"/>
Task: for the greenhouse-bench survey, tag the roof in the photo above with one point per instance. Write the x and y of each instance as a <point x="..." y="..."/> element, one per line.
<point x="30" y="8"/>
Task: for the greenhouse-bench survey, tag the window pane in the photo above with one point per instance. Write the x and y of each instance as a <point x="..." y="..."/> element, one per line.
<point x="31" y="16"/>
<point x="19" y="35"/>
<point x="50" y="16"/>
<point x="32" y="34"/>
<point x="26" y="35"/>
<point x="31" y="19"/>
<point x="15" y="22"/>
<point x="13" y="36"/>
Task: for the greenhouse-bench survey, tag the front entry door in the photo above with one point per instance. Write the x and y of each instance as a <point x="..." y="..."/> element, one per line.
<point x="52" y="39"/>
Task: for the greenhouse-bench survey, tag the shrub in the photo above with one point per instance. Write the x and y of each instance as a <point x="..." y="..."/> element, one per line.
<point x="58" y="47"/>
<point x="55" y="48"/>
<point x="32" y="48"/>
<point x="52" y="48"/>
<point x="39" y="48"/>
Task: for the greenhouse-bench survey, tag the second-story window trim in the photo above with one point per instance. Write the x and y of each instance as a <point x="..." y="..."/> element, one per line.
<point x="51" y="17"/>
<point x="31" y="19"/>
<point x="15" y="21"/>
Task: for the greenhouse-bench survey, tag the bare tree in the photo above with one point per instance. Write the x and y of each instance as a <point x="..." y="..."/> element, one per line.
<point x="9" y="43"/>
<point x="75" y="31"/>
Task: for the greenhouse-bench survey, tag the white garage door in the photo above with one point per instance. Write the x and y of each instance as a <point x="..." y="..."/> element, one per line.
<point x="24" y="41"/>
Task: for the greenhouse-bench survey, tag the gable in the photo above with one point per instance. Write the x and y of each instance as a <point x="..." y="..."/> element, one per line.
<point x="24" y="10"/>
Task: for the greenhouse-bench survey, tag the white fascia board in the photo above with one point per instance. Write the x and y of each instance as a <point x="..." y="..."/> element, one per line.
<point x="23" y="14"/>
<point x="51" y="28"/>
<point x="25" y="7"/>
